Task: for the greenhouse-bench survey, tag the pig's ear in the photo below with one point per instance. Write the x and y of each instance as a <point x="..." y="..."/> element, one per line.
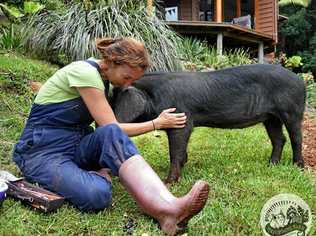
<point x="129" y="104"/>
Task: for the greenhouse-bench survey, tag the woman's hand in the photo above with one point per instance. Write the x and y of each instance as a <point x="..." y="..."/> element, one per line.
<point x="167" y="119"/>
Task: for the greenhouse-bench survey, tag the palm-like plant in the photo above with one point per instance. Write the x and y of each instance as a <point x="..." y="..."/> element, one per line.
<point x="73" y="33"/>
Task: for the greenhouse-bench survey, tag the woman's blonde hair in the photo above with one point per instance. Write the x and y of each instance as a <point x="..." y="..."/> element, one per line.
<point x="124" y="51"/>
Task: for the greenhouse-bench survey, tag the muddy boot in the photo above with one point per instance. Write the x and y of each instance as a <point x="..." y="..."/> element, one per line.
<point x="154" y="198"/>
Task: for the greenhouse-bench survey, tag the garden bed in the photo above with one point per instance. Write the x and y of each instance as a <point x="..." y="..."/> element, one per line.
<point x="309" y="141"/>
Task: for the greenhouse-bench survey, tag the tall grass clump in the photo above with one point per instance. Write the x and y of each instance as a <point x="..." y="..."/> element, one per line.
<point x="73" y="33"/>
<point x="11" y="37"/>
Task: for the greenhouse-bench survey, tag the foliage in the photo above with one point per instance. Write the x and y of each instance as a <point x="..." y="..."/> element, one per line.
<point x="54" y="5"/>
<point x="311" y="94"/>
<point x="293" y="62"/>
<point x="238" y="56"/>
<point x="32" y="7"/>
<point x="191" y="49"/>
<point x="10" y="11"/>
<point x="296" y="36"/>
<point x="307" y="77"/>
<point x="73" y="34"/>
<point x="303" y="3"/>
<point x="296" y="33"/>
<point x="309" y="56"/>
<point x="197" y="55"/>
<point x="20" y="9"/>
<point x="11" y="37"/>
<point x="310" y="86"/>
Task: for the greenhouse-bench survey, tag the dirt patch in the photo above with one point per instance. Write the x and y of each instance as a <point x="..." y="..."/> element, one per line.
<point x="309" y="141"/>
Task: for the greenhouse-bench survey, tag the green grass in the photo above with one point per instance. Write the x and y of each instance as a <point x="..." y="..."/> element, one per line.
<point x="234" y="162"/>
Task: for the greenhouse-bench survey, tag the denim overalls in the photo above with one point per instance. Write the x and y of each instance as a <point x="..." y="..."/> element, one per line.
<point x="60" y="151"/>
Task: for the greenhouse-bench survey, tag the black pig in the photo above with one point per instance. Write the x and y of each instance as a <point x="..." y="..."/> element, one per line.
<point x="236" y="97"/>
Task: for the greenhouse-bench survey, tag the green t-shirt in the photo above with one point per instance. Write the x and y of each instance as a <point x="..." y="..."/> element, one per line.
<point x="62" y="85"/>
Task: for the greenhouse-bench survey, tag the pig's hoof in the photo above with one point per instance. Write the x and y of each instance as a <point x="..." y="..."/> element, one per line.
<point x="300" y="164"/>
<point x="182" y="163"/>
<point x="274" y="162"/>
<point x="171" y="180"/>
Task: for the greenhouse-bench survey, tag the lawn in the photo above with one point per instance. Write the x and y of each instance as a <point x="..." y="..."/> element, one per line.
<point x="234" y="162"/>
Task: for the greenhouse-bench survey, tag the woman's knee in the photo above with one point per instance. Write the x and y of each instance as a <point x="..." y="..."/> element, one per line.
<point x="117" y="147"/>
<point x="110" y="130"/>
<point x="96" y="197"/>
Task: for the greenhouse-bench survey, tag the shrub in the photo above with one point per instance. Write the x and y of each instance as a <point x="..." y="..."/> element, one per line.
<point x="199" y="56"/>
<point x="310" y="88"/>
<point x="293" y="62"/>
<point x="311" y="95"/>
<point x="238" y="56"/>
<point x="307" y="77"/>
<point x="191" y="49"/>
<point x="15" y="10"/>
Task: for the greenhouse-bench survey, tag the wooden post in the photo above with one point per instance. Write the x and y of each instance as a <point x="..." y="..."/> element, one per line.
<point x="260" y="53"/>
<point x="238" y="8"/>
<point x="219" y="44"/>
<point x="219" y="11"/>
<point x="149" y="7"/>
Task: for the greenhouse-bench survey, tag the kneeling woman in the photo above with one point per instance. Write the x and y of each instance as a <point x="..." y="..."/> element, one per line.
<point x="59" y="150"/>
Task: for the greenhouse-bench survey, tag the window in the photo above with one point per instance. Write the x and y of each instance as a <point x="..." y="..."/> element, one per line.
<point x="206" y="10"/>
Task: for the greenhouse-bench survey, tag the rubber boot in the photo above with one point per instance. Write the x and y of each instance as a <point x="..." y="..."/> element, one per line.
<point x="154" y="198"/>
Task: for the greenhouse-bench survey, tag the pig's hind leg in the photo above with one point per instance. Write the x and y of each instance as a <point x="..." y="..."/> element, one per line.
<point x="274" y="129"/>
<point x="293" y="124"/>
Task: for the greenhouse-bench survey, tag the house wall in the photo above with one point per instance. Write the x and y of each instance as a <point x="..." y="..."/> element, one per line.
<point x="206" y="9"/>
<point x="266" y="17"/>
<point x="195" y="10"/>
<point x="189" y="10"/>
<point x="185" y="10"/>
<point x="170" y="3"/>
<point x="229" y="10"/>
<point x="265" y="12"/>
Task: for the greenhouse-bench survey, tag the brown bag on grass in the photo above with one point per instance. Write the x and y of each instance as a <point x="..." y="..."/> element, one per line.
<point x="30" y="194"/>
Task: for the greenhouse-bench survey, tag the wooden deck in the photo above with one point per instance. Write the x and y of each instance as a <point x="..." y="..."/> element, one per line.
<point x="230" y="30"/>
<point x="233" y="34"/>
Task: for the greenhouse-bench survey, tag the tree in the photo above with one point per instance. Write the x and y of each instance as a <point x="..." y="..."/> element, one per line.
<point x="303" y="3"/>
<point x="298" y="34"/>
<point x="309" y="57"/>
<point x="295" y="33"/>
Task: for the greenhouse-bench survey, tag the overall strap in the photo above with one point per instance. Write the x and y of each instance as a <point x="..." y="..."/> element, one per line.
<point x="105" y="82"/>
<point x="94" y="64"/>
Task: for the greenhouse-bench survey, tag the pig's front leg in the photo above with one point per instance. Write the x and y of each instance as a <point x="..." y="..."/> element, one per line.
<point x="178" y="141"/>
